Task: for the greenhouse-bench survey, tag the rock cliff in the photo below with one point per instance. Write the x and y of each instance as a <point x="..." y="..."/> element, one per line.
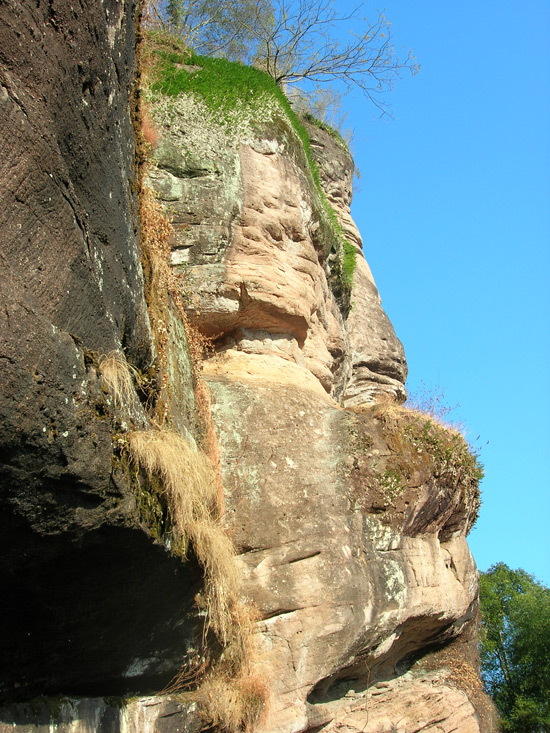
<point x="348" y="513"/>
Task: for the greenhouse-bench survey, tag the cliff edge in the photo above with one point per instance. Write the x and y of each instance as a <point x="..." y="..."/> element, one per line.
<point x="266" y="540"/>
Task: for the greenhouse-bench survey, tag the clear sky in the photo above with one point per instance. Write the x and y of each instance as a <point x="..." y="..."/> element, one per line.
<point x="454" y="209"/>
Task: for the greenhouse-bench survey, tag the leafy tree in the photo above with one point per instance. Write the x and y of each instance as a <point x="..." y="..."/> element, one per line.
<point x="302" y="40"/>
<point x="515" y="647"/>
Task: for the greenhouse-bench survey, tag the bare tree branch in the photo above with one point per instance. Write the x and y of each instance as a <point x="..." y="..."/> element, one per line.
<point x="302" y="43"/>
<point x="292" y="40"/>
<point x="209" y="27"/>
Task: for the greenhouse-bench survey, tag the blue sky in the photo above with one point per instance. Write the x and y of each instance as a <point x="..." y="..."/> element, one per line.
<point x="454" y="209"/>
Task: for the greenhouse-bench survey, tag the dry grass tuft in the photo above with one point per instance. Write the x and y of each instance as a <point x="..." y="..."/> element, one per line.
<point x="189" y="482"/>
<point x="186" y="473"/>
<point x="234" y="695"/>
<point x="236" y="704"/>
<point x="390" y="408"/>
<point x="118" y="377"/>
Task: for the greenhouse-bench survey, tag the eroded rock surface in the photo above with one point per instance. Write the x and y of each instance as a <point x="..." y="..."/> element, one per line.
<point x="81" y="578"/>
<point x="347" y="595"/>
<point x="351" y="545"/>
<point x="102" y="715"/>
<point x="249" y="229"/>
<point x="355" y="569"/>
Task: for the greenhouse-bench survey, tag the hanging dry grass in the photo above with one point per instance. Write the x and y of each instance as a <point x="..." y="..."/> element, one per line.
<point x="118" y="377"/>
<point x="189" y="482"/>
<point x="215" y="552"/>
<point x="187" y="474"/>
<point x="190" y="675"/>
<point x="232" y="695"/>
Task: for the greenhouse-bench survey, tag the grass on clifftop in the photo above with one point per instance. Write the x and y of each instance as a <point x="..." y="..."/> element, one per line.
<point x="226" y="88"/>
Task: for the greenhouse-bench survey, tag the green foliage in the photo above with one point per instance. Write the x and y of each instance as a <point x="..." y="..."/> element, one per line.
<point x="230" y="88"/>
<point x="515" y="647"/>
<point x="223" y="85"/>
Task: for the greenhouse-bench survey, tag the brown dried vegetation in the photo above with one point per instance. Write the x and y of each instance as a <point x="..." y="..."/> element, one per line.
<point x="234" y="703"/>
<point x="188" y="482"/>
<point x="394" y="451"/>
<point x="117" y="376"/>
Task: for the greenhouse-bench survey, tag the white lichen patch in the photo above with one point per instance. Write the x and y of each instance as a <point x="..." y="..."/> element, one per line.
<point x="382" y="537"/>
<point x="206" y="133"/>
<point x="139" y="667"/>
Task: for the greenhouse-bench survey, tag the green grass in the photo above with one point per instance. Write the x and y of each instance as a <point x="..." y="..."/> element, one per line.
<point x="230" y="88"/>
<point x="221" y="84"/>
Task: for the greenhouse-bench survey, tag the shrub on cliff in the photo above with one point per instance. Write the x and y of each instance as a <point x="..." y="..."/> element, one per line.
<point x="210" y="27"/>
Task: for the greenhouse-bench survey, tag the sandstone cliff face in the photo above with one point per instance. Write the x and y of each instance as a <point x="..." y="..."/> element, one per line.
<point x="249" y="231"/>
<point x="354" y="582"/>
<point x="349" y="514"/>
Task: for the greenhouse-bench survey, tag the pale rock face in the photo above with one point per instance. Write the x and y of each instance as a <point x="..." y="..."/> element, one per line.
<point x="407" y="705"/>
<point x="378" y="361"/>
<point x="350" y="592"/>
<point x="343" y="596"/>
<point x="246" y="228"/>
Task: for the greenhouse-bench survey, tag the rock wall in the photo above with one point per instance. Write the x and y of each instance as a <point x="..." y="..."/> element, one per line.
<point x="91" y="604"/>
<point x="349" y="514"/>
<point x="353" y="549"/>
<point x="249" y="234"/>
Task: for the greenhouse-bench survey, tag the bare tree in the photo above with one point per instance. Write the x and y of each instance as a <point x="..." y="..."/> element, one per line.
<point x="301" y="40"/>
<point x="211" y="27"/>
